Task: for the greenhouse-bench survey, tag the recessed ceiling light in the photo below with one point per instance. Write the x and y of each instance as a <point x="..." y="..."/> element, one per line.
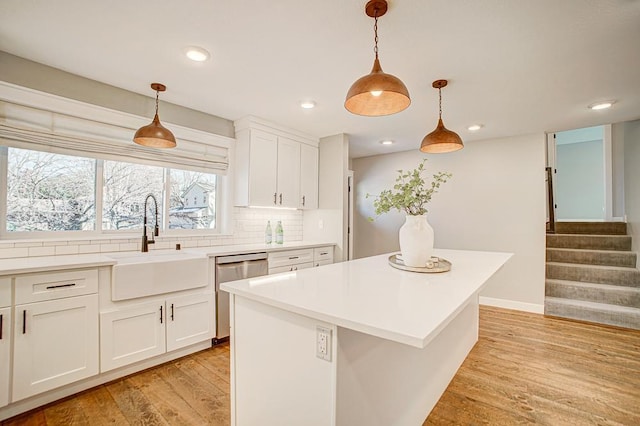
<point x="196" y="53"/>
<point x="474" y="127"/>
<point x="387" y="142"/>
<point x="602" y="105"/>
<point x="307" y="104"/>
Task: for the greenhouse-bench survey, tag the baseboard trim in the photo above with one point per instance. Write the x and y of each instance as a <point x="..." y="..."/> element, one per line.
<point x="512" y="304"/>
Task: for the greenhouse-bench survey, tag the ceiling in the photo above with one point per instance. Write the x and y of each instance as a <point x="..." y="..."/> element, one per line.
<point x="516" y="67"/>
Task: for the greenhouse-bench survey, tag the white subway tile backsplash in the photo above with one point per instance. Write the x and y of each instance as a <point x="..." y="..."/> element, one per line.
<point x="89" y="248"/>
<point x="28" y="244"/>
<point x="127" y="246"/>
<point x="14" y="252"/>
<point x="54" y="243"/>
<point x="249" y="227"/>
<point x="42" y="251"/>
<point x="62" y="250"/>
<point x="109" y="247"/>
<point x="163" y="245"/>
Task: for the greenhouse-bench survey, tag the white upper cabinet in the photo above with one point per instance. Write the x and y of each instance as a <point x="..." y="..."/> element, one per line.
<point x="274" y="166"/>
<point x="288" y="172"/>
<point x="262" y="171"/>
<point x="308" y="177"/>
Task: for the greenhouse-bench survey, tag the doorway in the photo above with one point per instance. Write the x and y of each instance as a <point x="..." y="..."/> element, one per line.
<point x="581" y="160"/>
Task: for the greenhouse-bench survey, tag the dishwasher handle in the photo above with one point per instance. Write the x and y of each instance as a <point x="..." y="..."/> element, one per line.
<point x="220" y="260"/>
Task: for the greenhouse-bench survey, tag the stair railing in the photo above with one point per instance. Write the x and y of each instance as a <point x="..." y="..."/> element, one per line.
<point x="551" y="224"/>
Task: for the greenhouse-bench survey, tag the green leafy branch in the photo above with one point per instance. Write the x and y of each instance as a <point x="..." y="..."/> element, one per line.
<point x="410" y="193"/>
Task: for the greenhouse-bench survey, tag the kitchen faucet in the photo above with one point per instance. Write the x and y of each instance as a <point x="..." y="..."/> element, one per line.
<point x="156" y="229"/>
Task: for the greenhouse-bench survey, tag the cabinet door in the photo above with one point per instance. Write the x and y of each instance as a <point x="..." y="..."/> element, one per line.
<point x="189" y="320"/>
<point x="132" y="334"/>
<point x="288" y="173"/>
<point x="263" y="159"/>
<point x="308" y="177"/>
<point x="55" y="343"/>
<point x="5" y="351"/>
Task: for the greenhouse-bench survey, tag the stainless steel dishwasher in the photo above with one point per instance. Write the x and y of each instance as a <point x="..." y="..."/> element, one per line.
<point x="231" y="268"/>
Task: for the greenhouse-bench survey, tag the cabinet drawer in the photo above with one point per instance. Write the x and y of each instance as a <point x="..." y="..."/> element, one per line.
<point x="290" y="257"/>
<point x="290" y="268"/>
<point x="5" y="292"/>
<point x="321" y="254"/>
<point x="322" y="262"/>
<point x="55" y="285"/>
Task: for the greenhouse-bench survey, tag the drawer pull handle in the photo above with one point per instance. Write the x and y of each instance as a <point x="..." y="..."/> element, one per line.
<point x="293" y="257"/>
<point x="1" y="327"/>
<point x="160" y="314"/>
<point x="50" y="287"/>
<point x="172" y="312"/>
<point x="24" y="321"/>
<point x="324" y="253"/>
<point x="281" y="198"/>
<point x="303" y="200"/>
<point x="275" y="198"/>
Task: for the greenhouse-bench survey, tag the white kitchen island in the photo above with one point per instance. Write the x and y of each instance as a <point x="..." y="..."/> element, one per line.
<point x="397" y="338"/>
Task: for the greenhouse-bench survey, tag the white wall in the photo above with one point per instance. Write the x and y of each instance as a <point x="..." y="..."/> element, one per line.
<point x="580" y="181"/>
<point x="494" y="202"/>
<point x="617" y="165"/>
<point x="632" y="181"/>
<point x="329" y="222"/>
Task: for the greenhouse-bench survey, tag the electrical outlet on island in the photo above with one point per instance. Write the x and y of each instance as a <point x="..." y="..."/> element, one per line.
<point x="323" y="343"/>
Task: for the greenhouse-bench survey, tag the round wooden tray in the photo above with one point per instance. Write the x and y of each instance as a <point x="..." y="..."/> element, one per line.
<point x="435" y="265"/>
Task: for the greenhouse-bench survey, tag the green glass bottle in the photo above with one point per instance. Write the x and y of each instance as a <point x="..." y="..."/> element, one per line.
<point x="279" y="233"/>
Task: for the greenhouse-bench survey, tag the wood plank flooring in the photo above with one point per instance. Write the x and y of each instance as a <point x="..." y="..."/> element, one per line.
<point x="525" y="369"/>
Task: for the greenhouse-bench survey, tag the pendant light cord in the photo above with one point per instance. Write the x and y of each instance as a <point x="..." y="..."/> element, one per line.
<point x="440" y="102"/>
<point x="157" y="94"/>
<point x="375" y="31"/>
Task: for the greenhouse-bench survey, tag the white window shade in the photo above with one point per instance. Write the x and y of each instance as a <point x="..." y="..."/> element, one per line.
<point x="38" y="129"/>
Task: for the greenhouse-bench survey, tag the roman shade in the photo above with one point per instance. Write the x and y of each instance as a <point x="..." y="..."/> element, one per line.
<point x="28" y="127"/>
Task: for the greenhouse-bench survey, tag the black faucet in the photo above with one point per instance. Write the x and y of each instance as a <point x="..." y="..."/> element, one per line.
<point x="156" y="229"/>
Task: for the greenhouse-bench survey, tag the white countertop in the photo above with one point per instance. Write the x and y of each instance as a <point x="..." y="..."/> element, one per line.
<point x="370" y="296"/>
<point x="23" y="265"/>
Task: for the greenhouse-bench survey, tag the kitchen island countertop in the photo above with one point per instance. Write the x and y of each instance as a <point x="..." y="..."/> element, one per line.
<point x="370" y="296"/>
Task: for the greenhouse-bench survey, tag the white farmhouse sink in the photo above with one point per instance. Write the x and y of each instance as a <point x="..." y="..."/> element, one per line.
<point x="138" y="274"/>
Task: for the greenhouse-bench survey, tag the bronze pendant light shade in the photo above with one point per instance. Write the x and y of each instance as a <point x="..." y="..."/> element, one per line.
<point x="441" y="139"/>
<point x="155" y="135"/>
<point x="377" y="93"/>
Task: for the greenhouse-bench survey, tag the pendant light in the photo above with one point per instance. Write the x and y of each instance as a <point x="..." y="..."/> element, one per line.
<point x="377" y="93"/>
<point x="155" y="135"/>
<point x="441" y="139"/>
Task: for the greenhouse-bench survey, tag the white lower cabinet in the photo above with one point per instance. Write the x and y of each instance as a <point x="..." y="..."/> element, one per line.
<point x="5" y="354"/>
<point x="137" y="332"/>
<point x="294" y="260"/>
<point x="131" y="334"/>
<point x="55" y="343"/>
<point x="290" y="268"/>
<point x="190" y="320"/>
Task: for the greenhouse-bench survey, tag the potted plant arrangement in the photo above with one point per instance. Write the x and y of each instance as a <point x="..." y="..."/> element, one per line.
<point x="411" y="194"/>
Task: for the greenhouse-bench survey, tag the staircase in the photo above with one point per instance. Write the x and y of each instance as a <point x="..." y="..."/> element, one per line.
<point x="591" y="274"/>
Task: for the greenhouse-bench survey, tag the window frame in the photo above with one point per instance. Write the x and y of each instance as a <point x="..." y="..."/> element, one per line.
<point x="98" y="232"/>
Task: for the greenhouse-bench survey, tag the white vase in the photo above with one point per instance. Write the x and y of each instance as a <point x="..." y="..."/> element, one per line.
<point x="416" y="240"/>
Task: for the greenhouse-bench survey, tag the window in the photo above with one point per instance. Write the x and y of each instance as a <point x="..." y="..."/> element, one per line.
<point x="49" y="192"/>
<point x="183" y="185"/>
<point x="53" y="192"/>
<point x="125" y="188"/>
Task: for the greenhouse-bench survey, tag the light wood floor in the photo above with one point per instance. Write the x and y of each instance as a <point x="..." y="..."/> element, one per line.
<point x="525" y="369"/>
